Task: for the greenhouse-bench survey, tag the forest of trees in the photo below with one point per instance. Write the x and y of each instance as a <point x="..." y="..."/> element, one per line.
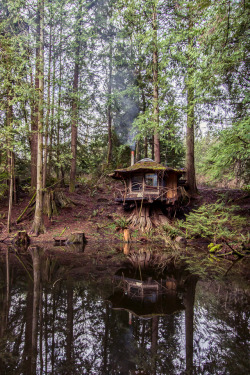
<point x="84" y="81"/>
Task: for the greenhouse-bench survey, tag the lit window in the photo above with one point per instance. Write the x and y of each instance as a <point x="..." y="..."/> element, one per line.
<point x="151" y="180"/>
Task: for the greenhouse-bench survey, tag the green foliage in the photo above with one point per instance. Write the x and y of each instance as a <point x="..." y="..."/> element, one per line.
<point x="213" y="247"/>
<point x="121" y="222"/>
<point x="171" y="231"/>
<point x="200" y="44"/>
<point x="214" y="221"/>
<point x="226" y="155"/>
<point x="3" y="183"/>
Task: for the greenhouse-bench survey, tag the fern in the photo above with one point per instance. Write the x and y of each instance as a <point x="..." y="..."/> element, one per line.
<point x="213" y="221"/>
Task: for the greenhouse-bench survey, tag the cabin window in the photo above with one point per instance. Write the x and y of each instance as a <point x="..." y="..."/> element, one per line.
<point x="151" y="180"/>
<point x="137" y="183"/>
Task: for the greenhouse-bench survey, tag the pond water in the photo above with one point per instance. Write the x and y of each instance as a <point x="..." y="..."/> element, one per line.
<point x="88" y="314"/>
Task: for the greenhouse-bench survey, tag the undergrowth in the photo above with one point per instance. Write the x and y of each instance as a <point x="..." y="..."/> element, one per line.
<point x="216" y="222"/>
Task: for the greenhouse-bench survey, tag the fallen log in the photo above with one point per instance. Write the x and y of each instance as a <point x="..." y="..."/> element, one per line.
<point x="31" y="202"/>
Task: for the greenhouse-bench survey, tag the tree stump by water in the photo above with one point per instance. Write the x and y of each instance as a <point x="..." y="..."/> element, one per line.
<point x="77" y="237"/>
<point x="21" y="238"/>
<point x="146" y="217"/>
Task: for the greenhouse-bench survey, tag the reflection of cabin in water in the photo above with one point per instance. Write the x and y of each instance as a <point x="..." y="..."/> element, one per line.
<point x="144" y="298"/>
<point x="149" y="181"/>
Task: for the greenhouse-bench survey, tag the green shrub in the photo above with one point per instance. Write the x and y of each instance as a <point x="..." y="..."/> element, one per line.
<point x="213" y="221"/>
<point x="171" y="231"/>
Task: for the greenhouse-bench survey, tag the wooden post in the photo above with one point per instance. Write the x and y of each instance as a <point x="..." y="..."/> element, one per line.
<point x="126" y="248"/>
<point x="127" y="236"/>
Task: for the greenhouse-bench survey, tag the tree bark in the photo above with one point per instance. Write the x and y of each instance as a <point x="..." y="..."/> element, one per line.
<point x="190" y="164"/>
<point x="59" y="103"/>
<point x="45" y="157"/>
<point x="35" y="108"/>
<point x="157" y="156"/>
<point x="109" y="110"/>
<point x="37" y="226"/>
<point x="10" y="164"/>
<point x="50" y="156"/>
<point x="75" y="105"/>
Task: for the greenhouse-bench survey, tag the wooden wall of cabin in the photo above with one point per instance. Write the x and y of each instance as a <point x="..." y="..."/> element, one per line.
<point x="171" y="186"/>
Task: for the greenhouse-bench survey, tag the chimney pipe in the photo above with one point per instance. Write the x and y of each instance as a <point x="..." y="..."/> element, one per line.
<point x="132" y="158"/>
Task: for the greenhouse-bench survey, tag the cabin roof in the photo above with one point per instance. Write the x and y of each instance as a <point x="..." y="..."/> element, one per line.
<point x="144" y="165"/>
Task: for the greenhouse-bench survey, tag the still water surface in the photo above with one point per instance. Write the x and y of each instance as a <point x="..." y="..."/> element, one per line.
<point x="59" y="317"/>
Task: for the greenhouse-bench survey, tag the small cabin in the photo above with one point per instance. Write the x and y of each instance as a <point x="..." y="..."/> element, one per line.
<point x="149" y="181"/>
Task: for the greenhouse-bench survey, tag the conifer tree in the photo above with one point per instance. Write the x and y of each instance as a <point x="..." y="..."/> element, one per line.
<point x="38" y="226"/>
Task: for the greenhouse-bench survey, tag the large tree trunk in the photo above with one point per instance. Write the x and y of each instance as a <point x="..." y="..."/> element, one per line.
<point x="157" y="156"/>
<point x="37" y="226"/>
<point x="35" y="110"/>
<point x="50" y="155"/>
<point x="109" y="110"/>
<point x="48" y="111"/>
<point x="74" y="127"/>
<point x="75" y="105"/>
<point x="59" y="103"/>
<point x="190" y="166"/>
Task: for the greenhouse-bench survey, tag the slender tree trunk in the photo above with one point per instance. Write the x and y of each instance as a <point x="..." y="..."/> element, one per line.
<point x="75" y="104"/>
<point x="35" y="109"/>
<point x="48" y="112"/>
<point x="157" y="156"/>
<point x="37" y="226"/>
<point x="59" y="106"/>
<point x="52" y="119"/>
<point x="190" y="164"/>
<point x="11" y="188"/>
<point x="109" y="109"/>
<point x="74" y="125"/>
<point x="10" y="162"/>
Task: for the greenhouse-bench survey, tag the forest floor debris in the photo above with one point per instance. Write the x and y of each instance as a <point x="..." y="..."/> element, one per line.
<point x="95" y="213"/>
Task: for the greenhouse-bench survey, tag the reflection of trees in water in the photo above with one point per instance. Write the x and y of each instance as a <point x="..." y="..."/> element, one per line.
<point x="73" y="331"/>
<point x="220" y="343"/>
